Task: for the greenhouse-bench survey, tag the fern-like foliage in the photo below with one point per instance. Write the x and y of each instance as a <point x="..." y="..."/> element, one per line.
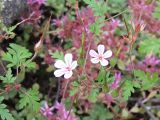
<point x="144" y="81"/>
<point x="99" y="7"/>
<point x="129" y="87"/>
<point x="97" y="25"/>
<point x="8" y="78"/>
<point x="30" y="99"/>
<point x="9" y="31"/>
<point x="57" y="55"/>
<point x="115" y="6"/>
<point x="147" y="80"/>
<point x="4" y="112"/>
<point x="156" y="13"/>
<point x="150" y="45"/>
<point x="99" y="112"/>
<point x="18" y="56"/>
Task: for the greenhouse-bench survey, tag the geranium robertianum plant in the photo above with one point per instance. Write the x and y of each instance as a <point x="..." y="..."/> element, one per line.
<point x="82" y="60"/>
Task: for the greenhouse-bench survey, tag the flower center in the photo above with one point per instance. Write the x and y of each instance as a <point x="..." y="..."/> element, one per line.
<point x="68" y="68"/>
<point x="47" y="110"/>
<point x="100" y="57"/>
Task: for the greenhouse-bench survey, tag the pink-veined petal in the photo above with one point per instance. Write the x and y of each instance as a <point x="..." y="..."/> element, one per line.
<point x="108" y="54"/>
<point x="68" y="59"/>
<point x="68" y="74"/>
<point x="59" y="72"/>
<point x="59" y="64"/>
<point x="42" y="109"/>
<point x="94" y="60"/>
<point x="50" y="113"/>
<point x="100" y="49"/>
<point x="93" y="53"/>
<point x="45" y="113"/>
<point x="74" y="65"/>
<point x="51" y="108"/>
<point x="104" y="62"/>
<point x="57" y="105"/>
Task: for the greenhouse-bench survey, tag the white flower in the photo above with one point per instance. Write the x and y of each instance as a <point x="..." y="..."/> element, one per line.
<point x="100" y="56"/>
<point x="65" y="67"/>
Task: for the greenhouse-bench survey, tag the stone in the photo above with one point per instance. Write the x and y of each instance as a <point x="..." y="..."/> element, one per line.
<point x="11" y="10"/>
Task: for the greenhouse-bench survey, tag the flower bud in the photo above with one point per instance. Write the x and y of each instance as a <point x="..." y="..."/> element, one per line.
<point x="38" y="46"/>
<point x="138" y="26"/>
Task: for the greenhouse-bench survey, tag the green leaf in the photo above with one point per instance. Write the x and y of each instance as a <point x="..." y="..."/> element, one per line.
<point x="99" y="7"/>
<point x="16" y="55"/>
<point x="113" y="61"/>
<point x="140" y="74"/>
<point x="8" y="78"/>
<point x="102" y="75"/>
<point x="74" y="90"/>
<point x="96" y="26"/>
<point x="4" y="113"/>
<point x="93" y="95"/>
<point x="30" y="65"/>
<point x="121" y="65"/>
<point x="30" y="99"/>
<point x="148" y="80"/>
<point x="116" y="6"/>
<point x="156" y="12"/>
<point x="57" y="55"/>
<point x="128" y="88"/>
<point x="99" y="112"/>
<point x="71" y="2"/>
<point x="9" y="30"/>
<point x="150" y="45"/>
<point x="57" y="5"/>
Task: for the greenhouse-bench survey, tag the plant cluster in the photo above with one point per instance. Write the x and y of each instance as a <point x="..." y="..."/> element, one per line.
<point x="82" y="60"/>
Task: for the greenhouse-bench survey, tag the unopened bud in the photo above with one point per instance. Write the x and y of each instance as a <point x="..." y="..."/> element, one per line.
<point x="138" y="27"/>
<point x="38" y="46"/>
<point x="133" y="25"/>
<point x="7" y="88"/>
<point x="17" y="86"/>
<point x="142" y="27"/>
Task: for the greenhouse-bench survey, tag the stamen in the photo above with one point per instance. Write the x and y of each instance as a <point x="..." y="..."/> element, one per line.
<point x="100" y="57"/>
<point x="68" y="68"/>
